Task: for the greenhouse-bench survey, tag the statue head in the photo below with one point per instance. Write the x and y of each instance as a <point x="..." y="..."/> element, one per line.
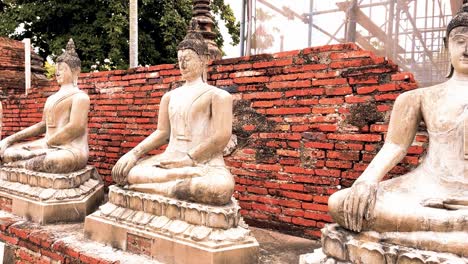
<point x="457" y="33"/>
<point x="68" y="65"/>
<point x="192" y="53"/>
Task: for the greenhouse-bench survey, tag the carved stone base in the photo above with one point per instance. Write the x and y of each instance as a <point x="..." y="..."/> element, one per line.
<point x="48" y="198"/>
<point x="223" y="217"/>
<point x="172" y="231"/>
<point x="342" y="246"/>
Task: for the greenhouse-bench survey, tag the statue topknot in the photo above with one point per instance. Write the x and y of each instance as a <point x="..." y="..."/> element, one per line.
<point x="70" y="57"/>
<point x="460" y="19"/>
<point x="194" y="40"/>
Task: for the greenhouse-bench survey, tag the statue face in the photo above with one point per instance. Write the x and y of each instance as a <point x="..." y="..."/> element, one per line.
<point x="458" y="47"/>
<point x="63" y="73"/>
<point x="191" y="64"/>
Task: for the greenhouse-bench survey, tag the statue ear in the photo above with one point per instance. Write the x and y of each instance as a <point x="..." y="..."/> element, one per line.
<point x="204" y="60"/>
<point x="450" y="70"/>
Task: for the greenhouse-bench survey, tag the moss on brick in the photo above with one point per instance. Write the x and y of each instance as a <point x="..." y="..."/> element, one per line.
<point x="364" y="114"/>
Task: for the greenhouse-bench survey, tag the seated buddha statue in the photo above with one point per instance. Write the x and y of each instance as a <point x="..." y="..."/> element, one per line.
<point x="195" y="120"/>
<point x="433" y="198"/>
<point x="64" y="147"/>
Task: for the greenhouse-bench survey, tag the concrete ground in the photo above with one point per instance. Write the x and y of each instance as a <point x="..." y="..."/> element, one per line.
<point x="278" y="248"/>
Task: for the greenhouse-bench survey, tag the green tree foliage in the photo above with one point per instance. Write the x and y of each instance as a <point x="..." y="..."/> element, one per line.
<point x="100" y="28"/>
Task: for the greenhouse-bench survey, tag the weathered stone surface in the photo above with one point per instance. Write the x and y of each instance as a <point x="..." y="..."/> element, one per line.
<point x="46" y="189"/>
<point x="223" y="217"/>
<point x="174" y="241"/>
<point x="43" y="203"/>
<point x="342" y="246"/>
<point x="48" y="180"/>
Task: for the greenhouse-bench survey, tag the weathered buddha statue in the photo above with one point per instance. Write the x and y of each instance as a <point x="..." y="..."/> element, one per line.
<point x="196" y="120"/>
<point x="428" y="207"/>
<point x="180" y="201"/>
<point x="48" y="179"/>
<point x="64" y="148"/>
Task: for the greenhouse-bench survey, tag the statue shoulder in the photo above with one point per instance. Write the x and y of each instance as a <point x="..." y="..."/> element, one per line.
<point x="220" y="93"/>
<point x="413" y="96"/>
<point x="167" y="96"/>
<point x="81" y="97"/>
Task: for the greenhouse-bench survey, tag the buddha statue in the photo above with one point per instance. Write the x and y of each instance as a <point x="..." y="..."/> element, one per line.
<point x="64" y="148"/>
<point x="431" y="201"/>
<point x="196" y="122"/>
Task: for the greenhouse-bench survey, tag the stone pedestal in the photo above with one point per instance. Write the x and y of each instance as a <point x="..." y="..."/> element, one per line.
<point x="172" y="231"/>
<point x="47" y="198"/>
<point x="342" y="246"/>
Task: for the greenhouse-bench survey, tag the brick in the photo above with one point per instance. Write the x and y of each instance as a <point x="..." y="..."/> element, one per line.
<point x="338" y="164"/>
<point x="332" y="82"/>
<point x="251" y="80"/>
<point x="89" y="259"/>
<point x="385" y="97"/>
<point x="290" y="203"/>
<point x="351" y="54"/>
<point x="20" y="231"/>
<point x="277" y="63"/>
<point x="296" y="195"/>
<point x="266" y="208"/>
<point x="293" y="212"/>
<point x="247" y="73"/>
<point x="318" y="217"/>
<point x="356" y="137"/>
<point x="331" y="101"/>
<point x="328" y="172"/>
<point x="343" y="155"/>
<point x="305" y="68"/>
<point x="305" y="92"/>
<point x="288" y="111"/>
<point x="303" y="222"/>
<point x="351" y="99"/>
<point x="292" y="84"/>
<point x="9" y="239"/>
<point x="319" y="145"/>
<point x="292" y="187"/>
<point x="290" y="169"/>
<point x="403" y="76"/>
<point x="344" y="90"/>
<point x="52" y="255"/>
<point x="262" y="95"/>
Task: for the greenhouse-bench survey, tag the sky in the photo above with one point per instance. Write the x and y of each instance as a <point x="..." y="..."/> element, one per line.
<point x="294" y="32"/>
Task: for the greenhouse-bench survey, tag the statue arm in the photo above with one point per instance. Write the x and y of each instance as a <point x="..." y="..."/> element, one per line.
<point x="77" y="124"/>
<point x="32" y="131"/>
<point x="358" y="205"/>
<point x="161" y="135"/>
<point x="222" y="123"/>
<point x="156" y="139"/>
<point x="405" y="118"/>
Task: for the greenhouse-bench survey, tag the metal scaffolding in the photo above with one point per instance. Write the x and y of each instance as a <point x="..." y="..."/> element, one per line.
<point x="409" y="32"/>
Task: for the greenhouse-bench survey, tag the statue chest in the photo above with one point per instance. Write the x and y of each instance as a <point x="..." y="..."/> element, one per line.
<point x="189" y="112"/>
<point x="57" y="108"/>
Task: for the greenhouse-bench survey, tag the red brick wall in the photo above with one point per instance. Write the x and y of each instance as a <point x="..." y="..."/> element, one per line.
<point x="28" y="243"/>
<point x="12" y="67"/>
<point x="292" y="119"/>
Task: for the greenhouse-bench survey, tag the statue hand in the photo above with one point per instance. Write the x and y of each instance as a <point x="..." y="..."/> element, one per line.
<point x="4" y="144"/>
<point x="186" y="161"/>
<point x="359" y="204"/>
<point x="122" y="168"/>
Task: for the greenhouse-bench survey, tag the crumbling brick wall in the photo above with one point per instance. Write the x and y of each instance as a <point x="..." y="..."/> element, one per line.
<point x="12" y="79"/>
<point x="307" y="124"/>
